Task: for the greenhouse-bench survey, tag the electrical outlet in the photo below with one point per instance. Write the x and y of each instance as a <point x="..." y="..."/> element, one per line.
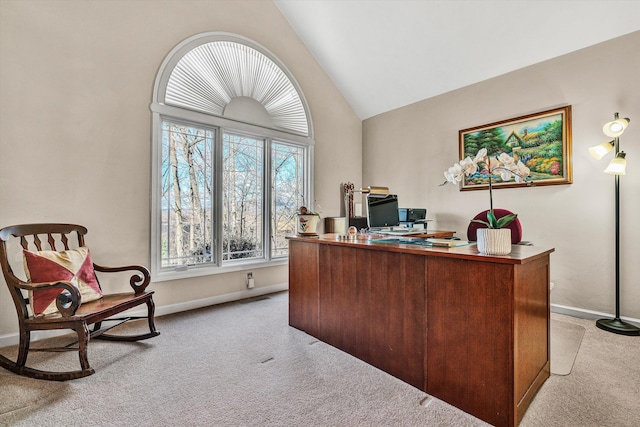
<point x="249" y="281"/>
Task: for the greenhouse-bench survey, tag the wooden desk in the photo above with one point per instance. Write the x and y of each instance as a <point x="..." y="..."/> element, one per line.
<point x="470" y="329"/>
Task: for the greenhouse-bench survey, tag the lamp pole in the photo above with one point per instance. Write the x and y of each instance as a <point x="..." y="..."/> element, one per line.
<point x="617" y="325"/>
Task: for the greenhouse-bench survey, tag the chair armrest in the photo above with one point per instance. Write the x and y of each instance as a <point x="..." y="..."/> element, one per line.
<point x="67" y="302"/>
<point x="138" y="282"/>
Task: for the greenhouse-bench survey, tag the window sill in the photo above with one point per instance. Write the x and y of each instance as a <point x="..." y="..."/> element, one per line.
<point x="209" y="271"/>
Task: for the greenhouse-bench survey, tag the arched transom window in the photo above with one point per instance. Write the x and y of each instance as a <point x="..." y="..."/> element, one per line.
<point x="232" y="156"/>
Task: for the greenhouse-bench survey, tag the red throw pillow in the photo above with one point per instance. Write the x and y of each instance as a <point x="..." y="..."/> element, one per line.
<point x="74" y="266"/>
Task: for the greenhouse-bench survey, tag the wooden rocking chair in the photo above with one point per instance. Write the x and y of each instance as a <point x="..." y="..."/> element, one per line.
<point x="72" y="312"/>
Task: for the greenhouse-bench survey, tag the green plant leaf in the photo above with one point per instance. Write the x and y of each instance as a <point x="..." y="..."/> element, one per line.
<point x="506" y="220"/>
<point x="493" y="221"/>
<point x="479" y="221"/>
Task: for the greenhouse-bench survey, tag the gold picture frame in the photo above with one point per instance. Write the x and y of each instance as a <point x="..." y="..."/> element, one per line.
<point x="542" y="141"/>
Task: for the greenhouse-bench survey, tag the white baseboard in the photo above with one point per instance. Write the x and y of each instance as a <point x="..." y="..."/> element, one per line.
<point x="13" y="339"/>
<point x="583" y="313"/>
<point x="219" y="299"/>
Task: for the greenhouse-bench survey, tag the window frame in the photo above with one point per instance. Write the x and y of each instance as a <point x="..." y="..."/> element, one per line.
<point x="161" y="111"/>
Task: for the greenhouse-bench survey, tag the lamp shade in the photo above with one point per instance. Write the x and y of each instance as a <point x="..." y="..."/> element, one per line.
<point x="600" y="150"/>
<point x="618" y="165"/>
<point x="615" y="128"/>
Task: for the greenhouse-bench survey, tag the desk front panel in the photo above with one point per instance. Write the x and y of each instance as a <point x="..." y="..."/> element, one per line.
<point x="469" y="329"/>
<point x="372" y="306"/>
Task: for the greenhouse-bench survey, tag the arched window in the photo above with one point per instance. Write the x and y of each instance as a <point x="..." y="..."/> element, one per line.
<point x="232" y="157"/>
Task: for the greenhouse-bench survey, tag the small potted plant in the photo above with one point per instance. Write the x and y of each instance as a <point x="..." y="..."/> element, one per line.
<point x="307" y="222"/>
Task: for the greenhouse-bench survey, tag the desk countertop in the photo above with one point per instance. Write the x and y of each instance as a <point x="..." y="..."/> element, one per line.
<point x="520" y="254"/>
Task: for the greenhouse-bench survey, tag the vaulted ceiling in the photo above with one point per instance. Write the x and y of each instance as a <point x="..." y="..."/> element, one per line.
<point x="384" y="54"/>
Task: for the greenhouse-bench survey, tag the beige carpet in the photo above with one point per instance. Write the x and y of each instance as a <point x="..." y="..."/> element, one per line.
<point x="603" y="389"/>
<point x="237" y="364"/>
<point x="242" y="365"/>
<point x="565" y="343"/>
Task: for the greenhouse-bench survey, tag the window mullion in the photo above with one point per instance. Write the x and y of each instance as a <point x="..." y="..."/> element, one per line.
<point x="217" y="197"/>
<point x="267" y="213"/>
<point x="308" y="178"/>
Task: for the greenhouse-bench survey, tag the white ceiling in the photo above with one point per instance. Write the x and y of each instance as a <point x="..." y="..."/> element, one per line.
<point x="384" y="54"/>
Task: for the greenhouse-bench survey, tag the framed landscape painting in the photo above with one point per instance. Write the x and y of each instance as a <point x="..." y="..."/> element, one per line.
<point x="542" y="141"/>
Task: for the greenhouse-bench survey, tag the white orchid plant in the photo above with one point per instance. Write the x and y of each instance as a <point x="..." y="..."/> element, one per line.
<point x="503" y="165"/>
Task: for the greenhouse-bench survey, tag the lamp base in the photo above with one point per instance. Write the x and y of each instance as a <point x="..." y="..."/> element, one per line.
<point x="618" y="326"/>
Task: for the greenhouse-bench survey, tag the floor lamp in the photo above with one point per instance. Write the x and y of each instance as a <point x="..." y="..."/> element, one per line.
<point x="617" y="167"/>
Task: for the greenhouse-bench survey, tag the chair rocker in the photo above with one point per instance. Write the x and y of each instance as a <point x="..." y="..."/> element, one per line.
<point x="70" y="308"/>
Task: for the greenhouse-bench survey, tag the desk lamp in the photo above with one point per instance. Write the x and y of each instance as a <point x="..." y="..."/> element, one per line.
<point x="349" y="191"/>
<point x="616" y="167"/>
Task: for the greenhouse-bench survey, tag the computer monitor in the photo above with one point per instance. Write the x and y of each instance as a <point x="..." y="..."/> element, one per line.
<point x="382" y="210"/>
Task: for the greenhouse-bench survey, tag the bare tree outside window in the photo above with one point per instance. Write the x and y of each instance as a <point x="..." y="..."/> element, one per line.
<point x="242" y="197"/>
<point x="186" y="188"/>
<point x="287" y="183"/>
<point x="188" y="229"/>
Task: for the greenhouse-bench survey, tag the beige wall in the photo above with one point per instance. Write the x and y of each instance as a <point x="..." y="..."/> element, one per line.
<point x="577" y="219"/>
<point x="76" y="80"/>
